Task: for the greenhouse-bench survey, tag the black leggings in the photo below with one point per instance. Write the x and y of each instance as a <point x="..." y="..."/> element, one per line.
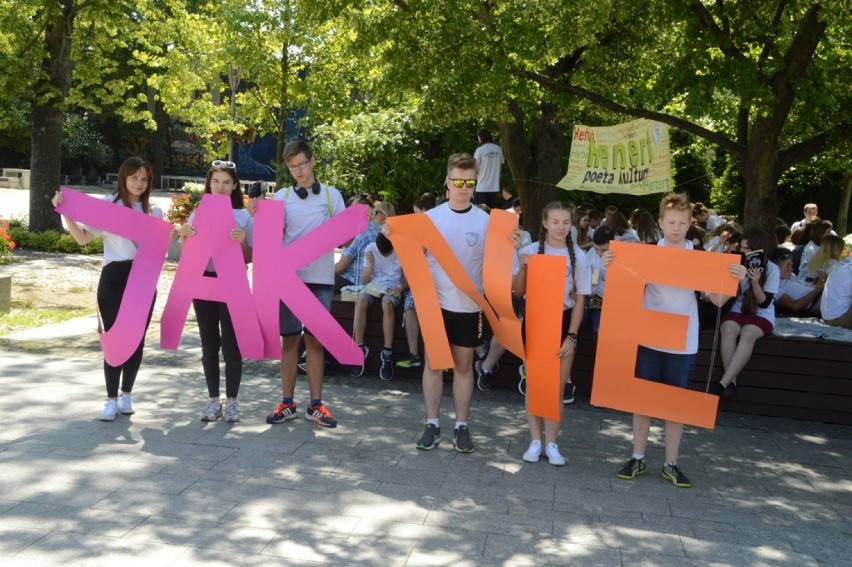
<point x="111" y="286"/>
<point x="210" y="315"/>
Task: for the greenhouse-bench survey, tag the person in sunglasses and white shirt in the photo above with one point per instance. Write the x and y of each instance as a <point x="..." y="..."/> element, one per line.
<point x="463" y="226"/>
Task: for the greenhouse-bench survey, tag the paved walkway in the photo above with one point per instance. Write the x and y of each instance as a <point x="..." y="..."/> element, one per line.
<point x="161" y="487"/>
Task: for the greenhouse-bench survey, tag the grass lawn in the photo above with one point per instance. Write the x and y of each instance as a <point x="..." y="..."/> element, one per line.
<point x="25" y="315"/>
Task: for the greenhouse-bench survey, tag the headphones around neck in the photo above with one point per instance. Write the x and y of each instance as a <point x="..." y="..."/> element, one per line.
<point x="303" y="193"/>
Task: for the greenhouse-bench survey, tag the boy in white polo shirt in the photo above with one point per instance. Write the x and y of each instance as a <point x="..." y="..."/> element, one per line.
<point x="307" y="205"/>
<point x="463" y="226"/>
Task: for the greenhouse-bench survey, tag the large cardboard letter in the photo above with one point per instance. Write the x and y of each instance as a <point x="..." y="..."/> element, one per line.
<point x="622" y="318"/>
<point x="151" y="236"/>
<point x="411" y="234"/>
<point x="212" y="221"/>
<point x="274" y="277"/>
<point x="545" y="302"/>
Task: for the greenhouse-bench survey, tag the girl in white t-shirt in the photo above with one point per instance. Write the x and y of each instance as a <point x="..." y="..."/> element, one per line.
<point x="752" y="315"/>
<point x="133" y="190"/>
<point x="555" y="239"/>
<point x="214" y="320"/>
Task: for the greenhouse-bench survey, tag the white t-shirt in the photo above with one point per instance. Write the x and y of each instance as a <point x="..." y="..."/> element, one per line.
<point x="714" y="222"/>
<point x="677" y="301"/>
<point x="837" y="295"/>
<point x="595" y="263"/>
<point x="387" y="271"/>
<point x="773" y="279"/>
<point x="117" y="248"/>
<point x="583" y="272"/>
<point x="301" y="216"/>
<point x="628" y="236"/>
<point x="243" y="220"/>
<point x="465" y="234"/>
<point x="810" y="249"/>
<point x="489" y="160"/>
<point x="794" y="287"/>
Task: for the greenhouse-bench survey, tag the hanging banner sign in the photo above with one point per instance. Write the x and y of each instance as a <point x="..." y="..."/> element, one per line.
<point x="631" y="158"/>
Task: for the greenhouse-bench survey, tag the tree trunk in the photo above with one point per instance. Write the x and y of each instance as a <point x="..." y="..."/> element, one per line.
<point x="843" y="212"/>
<point x="158" y="144"/>
<point x="46" y="156"/>
<point x="536" y="167"/>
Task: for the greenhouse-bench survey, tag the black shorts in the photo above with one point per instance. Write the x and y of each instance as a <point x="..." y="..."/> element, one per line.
<point x="566" y="324"/>
<point x="463" y="329"/>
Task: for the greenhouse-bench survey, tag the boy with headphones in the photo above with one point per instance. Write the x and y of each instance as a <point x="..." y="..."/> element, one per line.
<point x="307" y="205"/>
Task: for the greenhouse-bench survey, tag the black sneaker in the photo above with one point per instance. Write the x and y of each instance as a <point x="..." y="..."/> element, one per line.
<point x="461" y="439"/>
<point x="716" y="388"/>
<point x="386" y="371"/>
<point x="282" y="412"/>
<point x="674" y="475"/>
<point x="632" y="469"/>
<point x="483" y="377"/>
<point x="359" y="370"/>
<point x="320" y="415"/>
<point x="570" y="390"/>
<point x="730" y="390"/>
<point x="430" y="439"/>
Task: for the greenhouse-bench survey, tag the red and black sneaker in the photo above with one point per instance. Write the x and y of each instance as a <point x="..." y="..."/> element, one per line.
<point x="320" y="415"/>
<point x="282" y="412"/>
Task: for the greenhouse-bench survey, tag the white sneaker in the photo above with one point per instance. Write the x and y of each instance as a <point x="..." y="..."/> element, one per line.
<point x="553" y="455"/>
<point x="125" y="404"/>
<point x="232" y="411"/>
<point x="533" y="453"/>
<point x="212" y="412"/>
<point x="109" y="411"/>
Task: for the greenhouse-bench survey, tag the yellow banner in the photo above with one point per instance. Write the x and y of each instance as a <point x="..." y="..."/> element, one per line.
<point x="631" y="158"/>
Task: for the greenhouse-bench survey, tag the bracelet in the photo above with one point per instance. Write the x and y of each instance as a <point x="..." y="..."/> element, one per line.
<point x="572" y="336"/>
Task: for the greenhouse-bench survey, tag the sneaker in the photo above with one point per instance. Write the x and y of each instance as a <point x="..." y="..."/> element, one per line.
<point x="358" y="370"/>
<point x="632" y="469"/>
<point x="212" y="412"/>
<point x="570" y="390"/>
<point x="673" y="474"/>
<point x="461" y="439"/>
<point x="410" y="361"/>
<point x="320" y="415"/>
<point x="483" y="377"/>
<point x="109" y="411"/>
<point x="232" y="411"/>
<point x="522" y="385"/>
<point x="716" y="388"/>
<point x="125" y="404"/>
<point x="430" y="439"/>
<point x="554" y="457"/>
<point x="386" y="371"/>
<point x="282" y="412"/>
<point x="486" y="345"/>
<point x="730" y="390"/>
<point x="302" y="368"/>
<point x="533" y="453"/>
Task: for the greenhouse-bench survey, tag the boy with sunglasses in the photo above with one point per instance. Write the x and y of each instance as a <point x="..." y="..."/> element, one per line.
<point x="463" y="226"/>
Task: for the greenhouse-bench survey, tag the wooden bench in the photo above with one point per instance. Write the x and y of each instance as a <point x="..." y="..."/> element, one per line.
<point x="808" y="379"/>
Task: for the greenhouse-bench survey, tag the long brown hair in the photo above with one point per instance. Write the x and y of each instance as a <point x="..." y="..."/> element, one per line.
<point x="236" y="194"/>
<point x="542" y="235"/>
<point x="130" y="166"/>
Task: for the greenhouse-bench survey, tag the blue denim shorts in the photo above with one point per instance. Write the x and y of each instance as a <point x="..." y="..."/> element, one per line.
<point x="665" y="367"/>
<point x="289" y="324"/>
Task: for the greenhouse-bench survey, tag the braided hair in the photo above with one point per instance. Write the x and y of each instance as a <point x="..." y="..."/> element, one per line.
<point x="542" y="235"/>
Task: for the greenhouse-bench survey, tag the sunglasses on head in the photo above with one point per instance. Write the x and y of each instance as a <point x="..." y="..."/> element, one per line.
<point x="225" y="164"/>
<point x="459" y="183"/>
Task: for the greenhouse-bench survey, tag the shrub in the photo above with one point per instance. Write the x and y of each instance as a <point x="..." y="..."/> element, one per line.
<point x="7" y="243"/>
<point x="53" y="241"/>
